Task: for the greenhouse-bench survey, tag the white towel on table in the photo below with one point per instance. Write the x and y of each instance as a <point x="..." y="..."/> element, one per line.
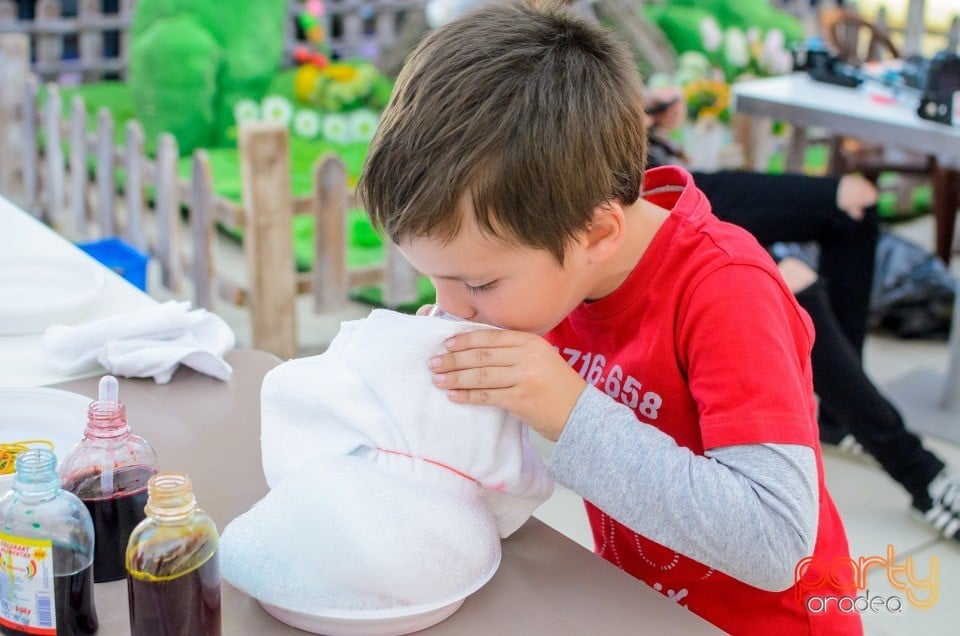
<point x="149" y="342"/>
<point x="383" y="492"/>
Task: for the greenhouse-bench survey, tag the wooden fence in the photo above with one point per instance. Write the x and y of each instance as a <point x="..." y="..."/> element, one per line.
<point x="81" y="40"/>
<point x="67" y="176"/>
<point x="84" y="40"/>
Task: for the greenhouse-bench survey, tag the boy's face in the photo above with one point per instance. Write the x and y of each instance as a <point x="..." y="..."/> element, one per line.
<point x="485" y="280"/>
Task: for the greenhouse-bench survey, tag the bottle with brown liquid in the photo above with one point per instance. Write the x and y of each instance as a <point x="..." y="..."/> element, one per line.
<point x="173" y="567"/>
<point x="109" y="469"/>
<point x="46" y="554"/>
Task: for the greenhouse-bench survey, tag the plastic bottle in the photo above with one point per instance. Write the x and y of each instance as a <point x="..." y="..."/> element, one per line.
<point x="46" y="554"/>
<point x="109" y="469"/>
<point x="173" y="566"/>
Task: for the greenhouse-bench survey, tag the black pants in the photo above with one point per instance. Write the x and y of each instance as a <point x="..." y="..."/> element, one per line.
<point x="797" y="208"/>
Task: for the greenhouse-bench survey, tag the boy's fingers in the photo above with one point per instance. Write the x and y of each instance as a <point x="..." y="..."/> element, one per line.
<point x="470" y="379"/>
<point x="476" y="396"/>
<point x="425" y="310"/>
<point x="473" y="358"/>
<point x="486" y="338"/>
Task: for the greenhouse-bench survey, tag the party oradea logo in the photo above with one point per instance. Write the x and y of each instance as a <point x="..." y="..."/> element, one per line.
<point x="813" y="574"/>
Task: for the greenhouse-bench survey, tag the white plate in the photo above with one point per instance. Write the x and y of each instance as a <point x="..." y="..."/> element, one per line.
<point x="40" y="413"/>
<point x="381" y="622"/>
<point x="34" y="296"/>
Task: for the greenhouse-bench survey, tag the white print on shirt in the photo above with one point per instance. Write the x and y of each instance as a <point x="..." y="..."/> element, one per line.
<point x="626" y="390"/>
<point x="677" y="596"/>
<point x="608" y="541"/>
<point x="652" y="564"/>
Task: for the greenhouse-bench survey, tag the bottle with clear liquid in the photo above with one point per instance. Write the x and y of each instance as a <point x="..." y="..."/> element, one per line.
<point x="109" y="469"/>
<point x="46" y="553"/>
<point x="173" y="566"/>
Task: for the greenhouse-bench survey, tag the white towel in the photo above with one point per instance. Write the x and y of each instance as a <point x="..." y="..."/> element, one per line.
<point x="383" y="492"/>
<point x="150" y="342"/>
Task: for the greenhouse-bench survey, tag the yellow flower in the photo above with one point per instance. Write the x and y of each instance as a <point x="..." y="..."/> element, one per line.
<point x="304" y="81"/>
<point x="340" y="72"/>
<point x="707" y="98"/>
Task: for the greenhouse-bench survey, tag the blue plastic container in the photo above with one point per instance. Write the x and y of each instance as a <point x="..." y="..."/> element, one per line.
<point x="125" y="260"/>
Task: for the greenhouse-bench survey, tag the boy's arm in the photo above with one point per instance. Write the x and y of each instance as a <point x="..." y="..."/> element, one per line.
<point x="749" y="511"/>
<point x="750" y="507"/>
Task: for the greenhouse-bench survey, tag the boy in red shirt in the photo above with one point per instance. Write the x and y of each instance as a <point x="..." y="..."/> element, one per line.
<point x="656" y="345"/>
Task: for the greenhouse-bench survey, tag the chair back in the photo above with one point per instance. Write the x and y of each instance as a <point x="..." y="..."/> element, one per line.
<point x="855" y="39"/>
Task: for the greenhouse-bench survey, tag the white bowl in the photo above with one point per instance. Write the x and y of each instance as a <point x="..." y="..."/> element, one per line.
<point x="34" y="296"/>
<point x="41" y="413"/>
<point x="378" y="622"/>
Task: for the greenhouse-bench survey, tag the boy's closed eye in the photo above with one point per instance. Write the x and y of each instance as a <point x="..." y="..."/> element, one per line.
<point x="479" y="289"/>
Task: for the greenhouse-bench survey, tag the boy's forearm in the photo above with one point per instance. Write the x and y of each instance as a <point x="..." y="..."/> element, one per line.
<point x="748" y="511"/>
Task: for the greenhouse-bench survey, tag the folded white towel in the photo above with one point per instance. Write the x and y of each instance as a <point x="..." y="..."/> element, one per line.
<point x="405" y="493"/>
<point x="150" y="342"/>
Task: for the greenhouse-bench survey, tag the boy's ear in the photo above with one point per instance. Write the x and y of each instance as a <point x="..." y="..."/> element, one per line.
<point x="607" y="229"/>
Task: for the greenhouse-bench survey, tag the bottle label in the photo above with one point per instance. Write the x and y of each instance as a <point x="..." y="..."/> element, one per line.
<point x="27" y="601"/>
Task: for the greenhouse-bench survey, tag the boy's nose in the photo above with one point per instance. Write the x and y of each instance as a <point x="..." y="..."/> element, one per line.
<point x="452" y="304"/>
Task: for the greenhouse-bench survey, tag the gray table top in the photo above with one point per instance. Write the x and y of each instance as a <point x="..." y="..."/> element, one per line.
<point x="848" y="111"/>
<point x="546" y="583"/>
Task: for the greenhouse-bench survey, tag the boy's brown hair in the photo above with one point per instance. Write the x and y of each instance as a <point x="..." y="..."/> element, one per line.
<point x="534" y="111"/>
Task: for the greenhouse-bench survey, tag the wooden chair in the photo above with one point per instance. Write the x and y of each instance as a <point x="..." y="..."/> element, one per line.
<point x="855" y="39"/>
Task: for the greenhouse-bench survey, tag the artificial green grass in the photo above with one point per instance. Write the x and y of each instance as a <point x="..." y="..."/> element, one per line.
<point x="361" y="251"/>
<point x="814" y="161"/>
<point x="920" y="202"/>
<point x="225" y="165"/>
<point x="112" y="96"/>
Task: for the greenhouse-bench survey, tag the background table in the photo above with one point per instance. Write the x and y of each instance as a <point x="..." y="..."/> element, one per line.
<point x="797" y="99"/>
<point x="546" y="584"/>
<point x="25" y="239"/>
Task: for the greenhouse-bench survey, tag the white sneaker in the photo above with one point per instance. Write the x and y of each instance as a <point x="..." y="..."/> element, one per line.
<point x="942" y="510"/>
<point x="848" y="448"/>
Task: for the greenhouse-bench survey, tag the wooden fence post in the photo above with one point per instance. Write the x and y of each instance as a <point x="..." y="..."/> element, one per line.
<point x="133" y="185"/>
<point x="8" y="13"/>
<point x="31" y="153"/>
<point x="267" y="242"/>
<point x="49" y="42"/>
<point x="386" y="28"/>
<point x="90" y="39"/>
<point x="330" y="280"/>
<point x="14" y="68"/>
<point x="105" y="177"/>
<point x="53" y="154"/>
<point x="78" y="166"/>
<point x="167" y="207"/>
<point x="201" y="226"/>
<point x="352" y="33"/>
<point x="399" y="279"/>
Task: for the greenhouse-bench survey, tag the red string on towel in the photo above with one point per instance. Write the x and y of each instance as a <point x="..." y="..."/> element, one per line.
<point x="431" y="461"/>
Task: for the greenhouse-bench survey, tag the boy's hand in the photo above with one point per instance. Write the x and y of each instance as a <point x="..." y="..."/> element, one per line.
<point x="516" y="371"/>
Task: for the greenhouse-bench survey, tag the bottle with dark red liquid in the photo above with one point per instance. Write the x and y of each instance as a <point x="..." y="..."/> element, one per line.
<point x="173" y="566"/>
<point x="46" y="554"/>
<point x="109" y="469"/>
